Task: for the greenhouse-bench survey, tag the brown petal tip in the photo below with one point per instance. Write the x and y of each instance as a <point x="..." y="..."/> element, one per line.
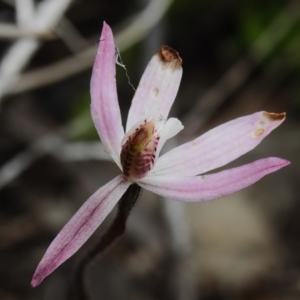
<point x="169" y="55"/>
<point x="275" y="116"/>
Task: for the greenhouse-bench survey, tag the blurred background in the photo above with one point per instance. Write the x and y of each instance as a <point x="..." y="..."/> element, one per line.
<point x="239" y="57"/>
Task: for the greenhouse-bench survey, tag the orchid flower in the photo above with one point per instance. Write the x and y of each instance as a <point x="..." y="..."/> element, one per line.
<point x="175" y="174"/>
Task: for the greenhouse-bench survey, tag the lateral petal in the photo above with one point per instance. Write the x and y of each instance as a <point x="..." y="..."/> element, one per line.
<point x="158" y="87"/>
<point x="80" y="227"/>
<point x="172" y="127"/>
<point x="219" y="146"/>
<point x="105" y="108"/>
<point x="212" y="186"/>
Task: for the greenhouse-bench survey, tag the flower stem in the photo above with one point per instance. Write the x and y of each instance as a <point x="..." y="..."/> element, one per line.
<point x="117" y="228"/>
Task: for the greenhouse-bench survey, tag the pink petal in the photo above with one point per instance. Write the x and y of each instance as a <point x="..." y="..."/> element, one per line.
<point x="105" y="109"/>
<point x="158" y="87"/>
<point x="80" y="227"/>
<point x="218" y="146"/>
<point x="172" y="127"/>
<point x="212" y="186"/>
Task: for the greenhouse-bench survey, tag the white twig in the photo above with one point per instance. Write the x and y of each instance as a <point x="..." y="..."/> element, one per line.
<point x="24" y="13"/>
<point x="49" y="12"/>
<point x="13" y="168"/>
<point x="136" y="30"/>
<point x="82" y="151"/>
<point x="47" y="15"/>
<point x="180" y="241"/>
<point x="70" y="35"/>
<point x="55" y="145"/>
<point x="142" y="23"/>
<point x="14" y="61"/>
<point x="9" y="31"/>
<point x="180" y="236"/>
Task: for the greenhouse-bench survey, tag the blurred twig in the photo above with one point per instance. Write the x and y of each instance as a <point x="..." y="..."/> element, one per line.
<point x="137" y="29"/>
<point x="47" y="14"/>
<point x="53" y="143"/>
<point x="82" y="151"/>
<point x="70" y="35"/>
<point x="238" y="73"/>
<point x="180" y="243"/>
<point x="24" y="12"/>
<point x="9" y="31"/>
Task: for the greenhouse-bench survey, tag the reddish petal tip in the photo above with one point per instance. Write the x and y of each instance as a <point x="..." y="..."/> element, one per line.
<point x="275" y="116"/>
<point x="169" y="55"/>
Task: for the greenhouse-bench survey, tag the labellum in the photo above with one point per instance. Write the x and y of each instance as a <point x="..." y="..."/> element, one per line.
<point x="138" y="152"/>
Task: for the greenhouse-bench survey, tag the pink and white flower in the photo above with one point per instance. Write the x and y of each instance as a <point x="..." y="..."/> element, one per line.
<point x="173" y="175"/>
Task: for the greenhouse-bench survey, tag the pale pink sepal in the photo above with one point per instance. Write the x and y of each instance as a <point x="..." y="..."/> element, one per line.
<point x="80" y="227"/>
<point x="105" y="109"/>
<point x="156" y="91"/>
<point x="218" y="146"/>
<point x="212" y="186"/>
